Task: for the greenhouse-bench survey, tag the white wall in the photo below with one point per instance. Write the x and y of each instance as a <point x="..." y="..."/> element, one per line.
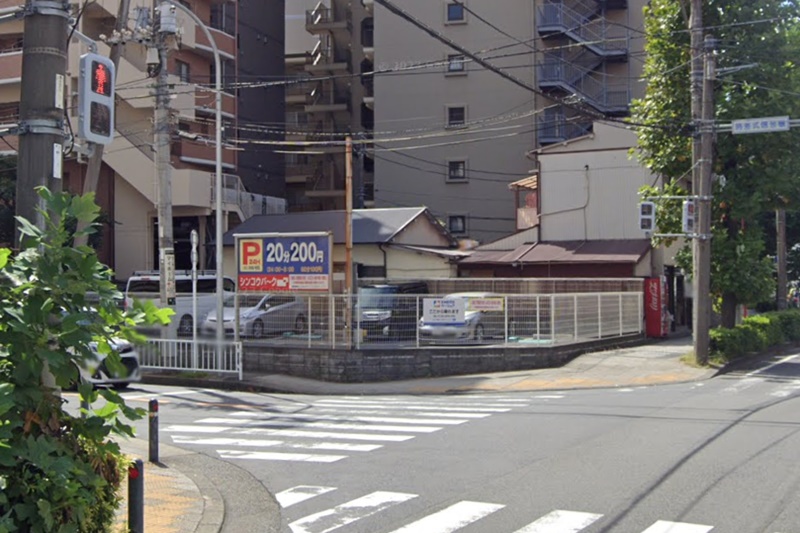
<point x="133" y="229"/>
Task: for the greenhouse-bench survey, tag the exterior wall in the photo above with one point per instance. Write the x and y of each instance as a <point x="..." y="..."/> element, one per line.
<point x="421" y="231"/>
<point x="298" y="40"/>
<point x="418" y="100"/>
<point x="261" y="57"/>
<point x="133" y="214"/>
<point x="591" y="194"/>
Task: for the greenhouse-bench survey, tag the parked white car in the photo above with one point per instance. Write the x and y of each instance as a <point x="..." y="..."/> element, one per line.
<point x="261" y="314"/>
<point x="477" y="326"/>
<point x="96" y="372"/>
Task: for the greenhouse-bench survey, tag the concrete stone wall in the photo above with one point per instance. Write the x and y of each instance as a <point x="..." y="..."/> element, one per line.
<point x="361" y="366"/>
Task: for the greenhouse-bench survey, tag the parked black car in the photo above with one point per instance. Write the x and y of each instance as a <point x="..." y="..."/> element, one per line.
<point x="390" y="311"/>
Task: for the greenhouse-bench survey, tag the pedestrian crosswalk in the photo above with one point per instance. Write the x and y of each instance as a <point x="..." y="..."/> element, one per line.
<point x="448" y="519"/>
<point x="331" y="429"/>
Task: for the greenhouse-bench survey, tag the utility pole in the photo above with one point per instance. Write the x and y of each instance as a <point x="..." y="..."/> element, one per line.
<point x="702" y="243"/>
<point x="348" y="236"/>
<point x="783" y="278"/>
<point x="96" y="158"/>
<point x="41" y="108"/>
<point x="161" y="141"/>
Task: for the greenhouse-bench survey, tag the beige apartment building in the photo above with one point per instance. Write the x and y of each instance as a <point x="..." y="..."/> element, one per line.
<point x="329" y="45"/>
<point x="127" y="190"/>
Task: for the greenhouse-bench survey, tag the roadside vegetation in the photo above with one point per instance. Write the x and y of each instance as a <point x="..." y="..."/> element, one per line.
<point x="60" y="472"/>
<point x="754" y="335"/>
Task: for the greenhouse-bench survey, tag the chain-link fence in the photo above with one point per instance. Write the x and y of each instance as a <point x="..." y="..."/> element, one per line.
<point x="465" y="318"/>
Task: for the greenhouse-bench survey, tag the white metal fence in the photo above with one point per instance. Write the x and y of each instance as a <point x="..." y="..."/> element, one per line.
<point x="384" y="320"/>
<point x="203" y="355"/>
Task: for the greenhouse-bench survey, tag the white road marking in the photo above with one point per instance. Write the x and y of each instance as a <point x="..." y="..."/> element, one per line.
<point x="288" y="433"/>
<point x="561" y="522"/>
<point x="261" y="443"/>
<point x="321" y="425"/>
<point x="276" y="456"/>
<point x="677" y="527"/>
<point x="196" y="429"/>
<point x="549" y="396"/>
<point x="152" y="395"/>
<point x="412" y="407"/>
<point x="451" y="519"/>
<point x="301" y="493"/>
<point x="376" y="411"/>
<point x="247" y="417"/>
<point x="349" y="512"/>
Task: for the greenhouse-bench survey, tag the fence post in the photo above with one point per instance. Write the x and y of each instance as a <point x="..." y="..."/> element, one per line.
<point x="553" y="317"/>
<point x="599" y="316"/>
<point x="416" y="319"/>
<point x="538" y="316"/>
<point x="357" y="332"/>
<point x="640" y="308"/>
<point x="309" y="321"/>
<point x="239" y="362"/>
<point x="620" y="315"/>
<point x="575" y="316"/>
<point x="332" y="319"/>
<point x="505" y="308"/>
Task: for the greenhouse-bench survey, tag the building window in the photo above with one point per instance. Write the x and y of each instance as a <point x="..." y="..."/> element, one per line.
<point x="456" y="13"/>
<point x="457" y="224"/>
<point x="456" y="64"/>
<point x="457" y="171"/>
<point x="182" y="69"/>
<point x="456" y="116"/>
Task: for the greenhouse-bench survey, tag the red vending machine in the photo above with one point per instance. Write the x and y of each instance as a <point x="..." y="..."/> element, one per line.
<point x="656" y="314"/>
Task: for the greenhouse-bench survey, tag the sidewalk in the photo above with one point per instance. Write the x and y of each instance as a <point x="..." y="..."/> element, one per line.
<point x="192" y="492"/>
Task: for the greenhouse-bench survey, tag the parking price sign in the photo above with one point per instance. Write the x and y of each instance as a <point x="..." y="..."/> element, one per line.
<point x="284" y="262"/>
<point x="444" y="311"/>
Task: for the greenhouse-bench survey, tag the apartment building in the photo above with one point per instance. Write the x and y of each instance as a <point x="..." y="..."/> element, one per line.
<point x="127" y="190"/>
<point x="451" y="134"/>
<point x="329" y="47"/>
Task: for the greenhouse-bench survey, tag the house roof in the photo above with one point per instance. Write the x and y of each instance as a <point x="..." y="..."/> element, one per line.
<point x="370" y="226"/>
<point x="601" y="251"/>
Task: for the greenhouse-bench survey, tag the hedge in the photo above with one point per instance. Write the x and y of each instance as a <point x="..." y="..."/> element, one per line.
<point x="756" y="334"/>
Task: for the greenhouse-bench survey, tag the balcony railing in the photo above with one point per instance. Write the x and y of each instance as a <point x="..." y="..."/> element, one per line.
<point x="554" y="128"/>
<point x="575" y="78"/>
<point x="249" y="204"/>
<point x="323" y="17"/>
<point x="594" y="33"/>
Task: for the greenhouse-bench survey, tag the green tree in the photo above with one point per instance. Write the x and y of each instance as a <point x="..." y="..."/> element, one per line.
<point x="59" y="472"/>
<point x="758" y="169"/>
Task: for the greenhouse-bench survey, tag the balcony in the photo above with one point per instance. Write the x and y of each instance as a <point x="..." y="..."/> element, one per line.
<point x="202" y="152"/>
<point x="578" y="77"/>
<point x="205" y="102"/>
<point x="322" y="19"/>
<point x="584" y="27"/>
<point x="325" y="183"/>
<point x="225" y="43"/>
<point x="326" y="61"/>
<point x="299" y="92"/>
<point x="10" y="67"/>
<point x="325" y="100"/>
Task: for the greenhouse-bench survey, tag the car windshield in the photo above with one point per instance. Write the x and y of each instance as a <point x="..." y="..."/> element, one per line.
<point x="377" y="297"/>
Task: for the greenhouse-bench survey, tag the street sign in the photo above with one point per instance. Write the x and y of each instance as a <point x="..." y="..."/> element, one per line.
<point x="272" y="262"/>
<point x="760" y="125"/>
<point x="444" y="311"/>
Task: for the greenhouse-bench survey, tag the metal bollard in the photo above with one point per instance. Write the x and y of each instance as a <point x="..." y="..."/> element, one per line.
<point x="136" y="497"/>
<point x="153" y="430"/>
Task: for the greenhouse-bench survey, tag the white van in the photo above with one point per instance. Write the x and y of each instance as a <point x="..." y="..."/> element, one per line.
<point x="145" y="285"/>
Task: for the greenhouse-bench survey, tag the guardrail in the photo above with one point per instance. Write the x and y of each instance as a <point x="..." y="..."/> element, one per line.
<point x="201" y="355"/>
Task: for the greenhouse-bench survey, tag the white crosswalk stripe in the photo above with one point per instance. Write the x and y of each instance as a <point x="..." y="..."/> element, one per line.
<point x="677" y="527"/>
<point x="349" y="512"/>
<point x="346" y="424"/>
<point x="561" y="522"/>
<point x="451" y="519"/>
<point x="299" y="494"/>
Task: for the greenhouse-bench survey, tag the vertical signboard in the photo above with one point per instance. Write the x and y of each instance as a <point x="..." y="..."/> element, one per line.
<point x="655" y="304"/>
<point x="271" y="262"/>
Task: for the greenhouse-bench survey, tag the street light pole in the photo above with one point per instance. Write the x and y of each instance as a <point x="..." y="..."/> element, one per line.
<point x="218" y="160"/>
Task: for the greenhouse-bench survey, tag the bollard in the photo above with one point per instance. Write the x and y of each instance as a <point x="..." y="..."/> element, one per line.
<point x="153" y="433"/>
<point x="136" y="497"/>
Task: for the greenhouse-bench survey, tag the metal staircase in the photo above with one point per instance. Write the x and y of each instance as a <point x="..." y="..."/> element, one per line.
<point x="581" y="72"/>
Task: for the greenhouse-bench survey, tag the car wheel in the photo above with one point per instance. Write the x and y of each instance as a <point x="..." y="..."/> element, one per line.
<point x="185" y="326"/>
<point x="258" y="329"/>
<point x="300" y="324"/>
<point x="478" y="333"/>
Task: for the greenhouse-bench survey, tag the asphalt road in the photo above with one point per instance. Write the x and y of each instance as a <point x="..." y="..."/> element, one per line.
<point x="717" y="455"/>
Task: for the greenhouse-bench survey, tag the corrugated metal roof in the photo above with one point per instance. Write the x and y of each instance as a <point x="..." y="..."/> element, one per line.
<point x="604" y="251"/>
<point x="370" y="226"/>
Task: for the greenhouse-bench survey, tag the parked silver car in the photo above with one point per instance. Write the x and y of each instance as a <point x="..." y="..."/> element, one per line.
<point x="260" y="314"/>
<point x="484" y="318"/>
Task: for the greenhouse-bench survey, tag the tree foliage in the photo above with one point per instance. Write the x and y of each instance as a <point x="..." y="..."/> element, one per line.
<point x="59" y="472"/>
<point x="756" y="51"/>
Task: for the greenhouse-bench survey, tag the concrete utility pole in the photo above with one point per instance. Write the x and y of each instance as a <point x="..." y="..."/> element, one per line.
<point x="41" y="108"/>
<point x="96" y="158"/>
<point x="702" y="243"/>
<point x="783" y="278"/>
<point x="161" y="141"/>
<point x="348" y="236"/>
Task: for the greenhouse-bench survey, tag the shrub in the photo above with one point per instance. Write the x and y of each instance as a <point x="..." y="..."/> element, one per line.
<point x="790" y="324"/>
<point x="768" y="327"/>
<point x="756" y="333"/>
<point x="59" y="472"/>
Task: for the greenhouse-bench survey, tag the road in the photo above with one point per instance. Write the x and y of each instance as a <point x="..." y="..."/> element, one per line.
<point x="717" y="455"/>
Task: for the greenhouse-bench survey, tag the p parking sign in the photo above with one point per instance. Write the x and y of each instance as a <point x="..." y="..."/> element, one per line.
<point x="273" y="262"/>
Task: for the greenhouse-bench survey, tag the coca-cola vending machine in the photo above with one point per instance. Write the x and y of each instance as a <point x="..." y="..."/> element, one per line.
<point x="656" y="314"/>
